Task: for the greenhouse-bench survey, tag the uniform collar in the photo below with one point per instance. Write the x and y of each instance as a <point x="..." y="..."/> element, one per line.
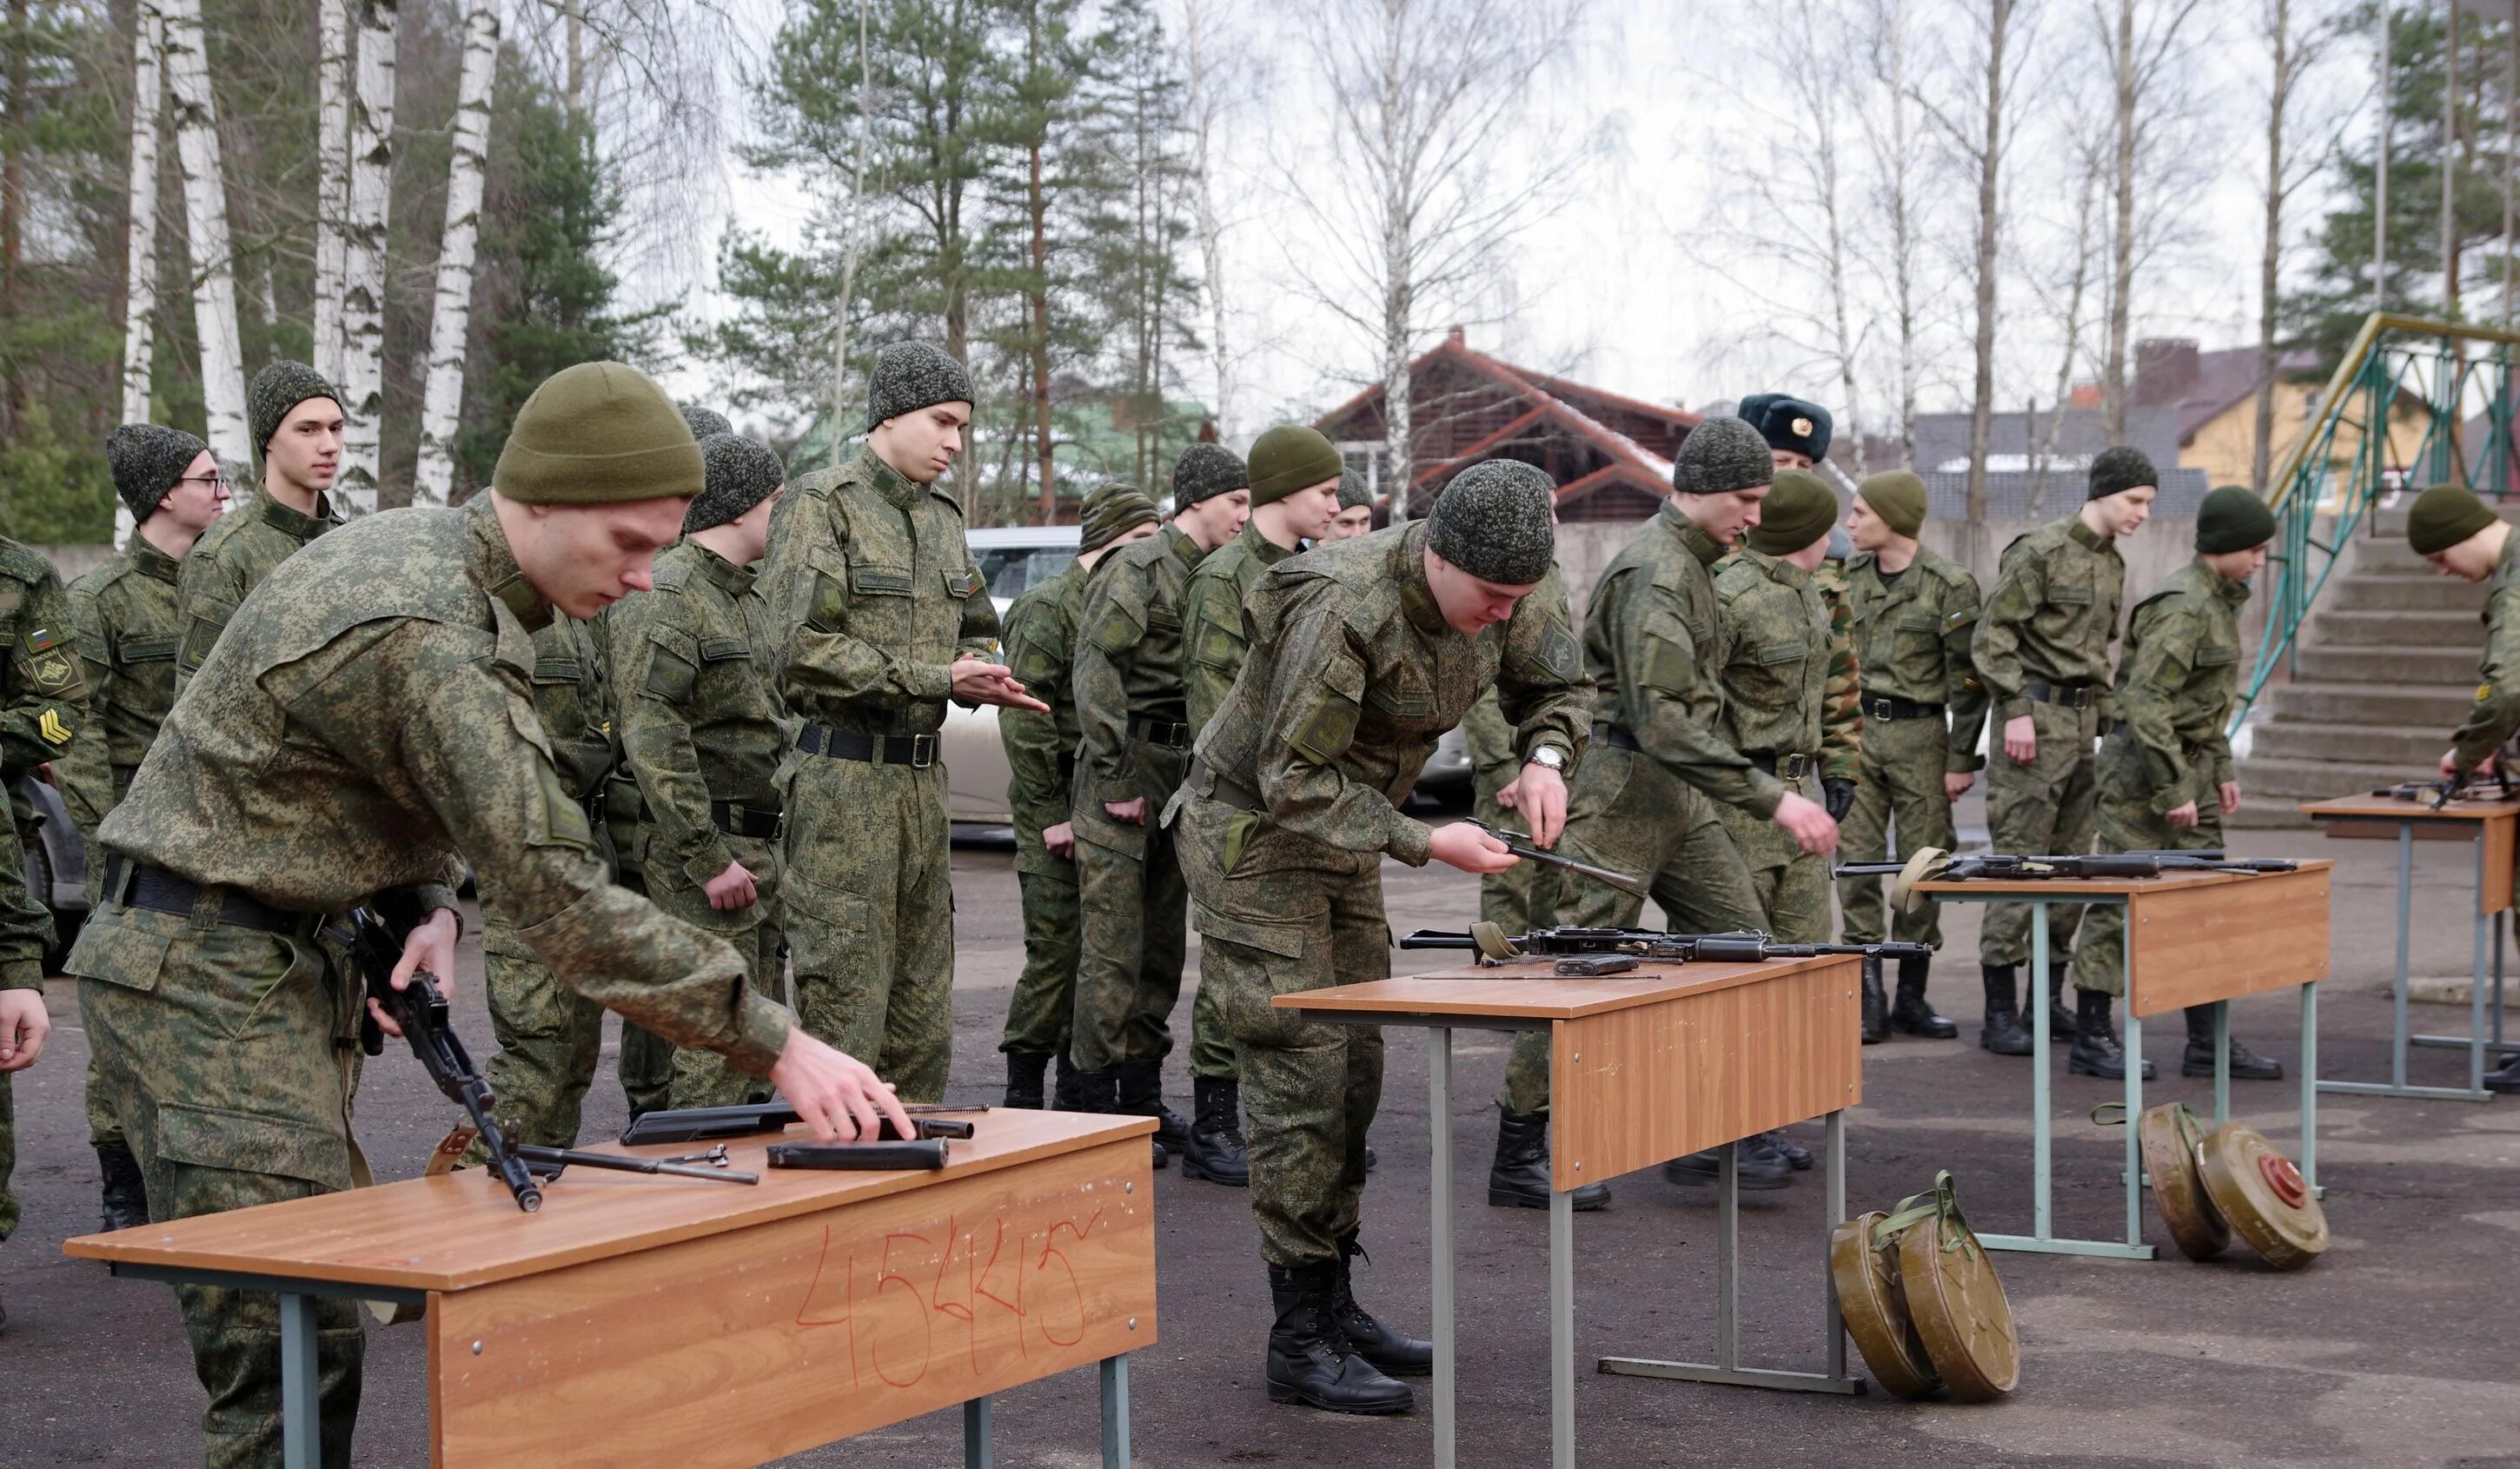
<point x="2231" y="591"/>
<point x="2085" y="535"/>
<point x="1416" y="598"/>
<point x="1261" y="548"/>
<point x="1700" y="544"/>
<point x="288" y="521"/>
<point x="493" y="566"/>
<point x="1185" y="550"/>
<point x="1779" y="571"/>
<point x="149" y="560"/>
<point x="736" y="580"/>
<point x="886" y="480"/>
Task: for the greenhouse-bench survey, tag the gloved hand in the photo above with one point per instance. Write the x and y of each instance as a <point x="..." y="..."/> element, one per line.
<point x="1837" y="793"/>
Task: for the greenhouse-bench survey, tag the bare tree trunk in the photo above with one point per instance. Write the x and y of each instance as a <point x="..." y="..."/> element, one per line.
<point x="451" y="316"/>
<point x="1820" y="86"/>
<point x="2113" y="370"/>
<point x="2380" y="176"/>
<point x="1037" y="217"/>
<point x="362" y="296"/>
<point x="13" y="211"/>
<point x="2046" y="452"/>
<point x="856" y="242"/>
<point x="1989" y="157"/>
<point x="140" y="247"/>
<point x="1901" y="183"/>
<point x="2450" y="163"/>
<point x="1399" y="287"/>
<point x="1204" y="108"/>
<point x="205" y="232"/>
<point x="2270" y="248"/>
<point x="332" y="178"/>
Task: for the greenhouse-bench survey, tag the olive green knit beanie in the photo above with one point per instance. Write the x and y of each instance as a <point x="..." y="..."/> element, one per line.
<point x="2231" y="519"/>
<point x="1287" y="458"/>
<point x="1796" y="513"/>
<point x="2443" y="517"/>
<point x="598" y="433"/>
<point x="1898" y="496"/>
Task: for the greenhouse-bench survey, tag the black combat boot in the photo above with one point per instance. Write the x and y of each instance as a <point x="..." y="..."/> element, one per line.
<point x="1309" y="1358"/>
<point x="1876" y="1007"/>
<point x="2246" y="1065"/>
<point x="1396" y="1355"/>
<point x="1025" y="1071"/>
<point x="2504" y="1077"/>
<point x="1909" y="1015"/>
<point x="2097" y="1051"/>
<point x="1069" y="1092"/>
<point x="1141" y="1094"/>
<point x="1520" y="1176"/>
<point x="2061" y="1024"/>
<point x="1796" y="1156"/>
<point x="126" y="1194"/>
<point x="2002" y="1031"/>
<point x="1100" y="1092"/>
<point x="1215" y="1150"/>
<point x="1756" y="1168"/>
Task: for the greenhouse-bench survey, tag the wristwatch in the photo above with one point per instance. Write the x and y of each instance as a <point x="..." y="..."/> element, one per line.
<point x="1547" y="755"/>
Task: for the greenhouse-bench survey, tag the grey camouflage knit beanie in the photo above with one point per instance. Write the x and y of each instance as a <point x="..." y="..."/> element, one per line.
<point x="909" y="376"/>
<point x="1110" y="512"/>
<point x="1353" y="495"/>
<point x="2121" y="469"/>
<point x="146" y="460"/>
<point x="1208" y="469"/>
<point x="276" y="390"/>
<point x="703" y="422"/>
<point x="1722" y="455"/>
<point x="741" y="474"/>
<point x="1493" y="522"/>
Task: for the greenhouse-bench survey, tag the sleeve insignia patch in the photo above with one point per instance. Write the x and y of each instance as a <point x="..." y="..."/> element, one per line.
<point x="51" y="727"/>
<point x="2484" y="693"/>
<point x="53" y="670"/>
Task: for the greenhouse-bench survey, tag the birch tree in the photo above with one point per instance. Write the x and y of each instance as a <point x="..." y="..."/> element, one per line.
<point x="451" y="316"/>
<point x="1200" y="69"/>
<point x="140" y="236"/>
<point x="363" y="277"/>
<point x="1899" y="193"/>
<point x="332" y="177"/>
<point x="1422" y="94"/>
<point x="205" y="231"/>
<point x="2142" y="58"/>
<point x="2292" y="49"/>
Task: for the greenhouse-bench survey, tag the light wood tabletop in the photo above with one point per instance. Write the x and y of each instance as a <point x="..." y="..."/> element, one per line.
<point x="2109" y="887"/>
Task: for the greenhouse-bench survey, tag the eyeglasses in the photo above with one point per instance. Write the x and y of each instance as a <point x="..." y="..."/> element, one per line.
<point x="220" y="481"/>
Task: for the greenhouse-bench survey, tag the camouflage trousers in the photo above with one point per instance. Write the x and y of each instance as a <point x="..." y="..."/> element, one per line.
<point x="1898" y="788"/>
<point x="549" y="1039"/>
<point x="1277" y="914"/>
<point x="700" y="1078"/>
<point x="1791" y="884"/>
<point x="869" y="913"/>
<point x="1505" y="898"/>
<point x="1132" y="937"/>
<point x="218" y="1050"/>
<point x="1629" y="815"/>
<point x="2039" y="809"/>
<point x="1043" y="1007"/>
<point x="2127" y="822"/>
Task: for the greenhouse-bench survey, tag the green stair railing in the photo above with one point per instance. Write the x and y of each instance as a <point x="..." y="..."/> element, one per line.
<point x="2429" y="400"/>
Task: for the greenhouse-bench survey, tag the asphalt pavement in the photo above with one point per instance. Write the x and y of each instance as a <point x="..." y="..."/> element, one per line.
<point x="2395" y="1349"/>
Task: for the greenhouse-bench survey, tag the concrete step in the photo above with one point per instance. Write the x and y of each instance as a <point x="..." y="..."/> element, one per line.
<point x="2291" y="781"/>
<point x="2335" y="627"/>
<point x="2416" y="705"/>
<point x="2450" y="666"/>
<point x="2401" y="591"/>
<point x="2411" y="745"/>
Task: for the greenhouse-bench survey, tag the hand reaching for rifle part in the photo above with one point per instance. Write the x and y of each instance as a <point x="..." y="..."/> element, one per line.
<point x="837" y="1094"/>
<point x="1538" y="796"/>
<point x="431" y="948"/>
<point x="1459" y="843"/>
<point x="980" y="682"/>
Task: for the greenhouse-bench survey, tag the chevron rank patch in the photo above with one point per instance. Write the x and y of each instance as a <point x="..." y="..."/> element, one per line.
<point x="51" y="727"/>
<point x="2484" y="693"/>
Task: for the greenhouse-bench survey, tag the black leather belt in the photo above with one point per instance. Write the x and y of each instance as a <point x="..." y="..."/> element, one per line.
<point x="1169" y="733"/>
<point x="1224" y="788"/>
<point x="740" y="820"/>
<point x="163" y="892"/>
<point x="1883" y="706"/>
<point x="2067" y="694"/>
<point x="918" y="752"/>
<point x="1614" y="737"/>
<point x="1785" y="766"/>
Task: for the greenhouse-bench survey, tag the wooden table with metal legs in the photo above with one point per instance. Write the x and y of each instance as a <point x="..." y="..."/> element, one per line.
<point x="651" y="1320"/>
<point x="2491" y="825"/>
<point x="2192" y="938"/>
<point x="1644" y="1067"/>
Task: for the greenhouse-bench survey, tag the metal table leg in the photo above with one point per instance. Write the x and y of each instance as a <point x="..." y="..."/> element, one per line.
<point x="1561" y="1328"/>
<point x="2309" y="1088"/>
<point x="2134" y="1110"/>
<point x="2484" y="1031"/>
<point x="2396" y="1085"/>
<point x="2222" y="1061"/>
<point x="1115" y="1411"/>
<point x="1439" y="1234"/>
<point x="977" y="1452"/>
<point x="301" y="1419"/>
<point x="1833" y="1321"/>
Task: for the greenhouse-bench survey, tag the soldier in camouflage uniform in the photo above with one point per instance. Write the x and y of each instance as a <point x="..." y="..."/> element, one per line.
<point x="1361" y="653"/>
<point x="42" y="708"/>
<point x="702" y="731"/>
<point x="883" y="616"/>
<point x="1133" y="750"/>
<point x="1770" y="661"/>
<point x="357" y="735"/>
<point x="2043" y="652"/>
<point x="2165" y="769"/>
<point x="1798" y="433"/>
<point x="1643" y="800"/>
<point x="127" y="627"/>
<point x="1283" y="520"/>
<point x="2462" y="537"/>
<point x="1915" y="611"/>
<point x="1041" y="769"/>
<point x="1355" y="516"/>
<point x="296" y="417"/>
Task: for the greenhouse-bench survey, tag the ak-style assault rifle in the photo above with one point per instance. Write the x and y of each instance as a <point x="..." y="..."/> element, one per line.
<point x="420" y="1009"/>
<point x="1520" y="845"/>
<point x="1603" y="951"/>
<point x="1932" y="864"/>
<point x="2473" y="784"/>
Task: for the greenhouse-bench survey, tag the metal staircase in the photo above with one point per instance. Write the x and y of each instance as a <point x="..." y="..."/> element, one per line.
<point x="2368" y="657"/>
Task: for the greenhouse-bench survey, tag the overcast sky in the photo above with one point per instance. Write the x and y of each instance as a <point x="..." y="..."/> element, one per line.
<point x="1605" y="288"/>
